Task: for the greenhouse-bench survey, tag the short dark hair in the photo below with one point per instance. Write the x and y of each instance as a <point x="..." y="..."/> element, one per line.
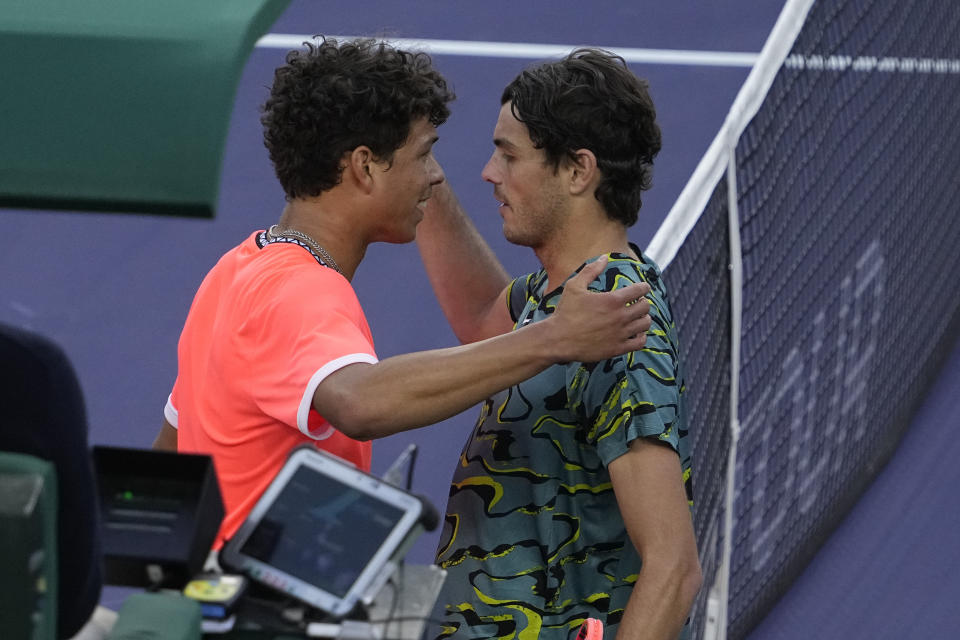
<point x="591" y="100"/>
<point x="331" y="98"/>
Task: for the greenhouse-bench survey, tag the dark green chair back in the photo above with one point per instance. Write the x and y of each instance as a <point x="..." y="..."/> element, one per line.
<point x="28" y="547"/>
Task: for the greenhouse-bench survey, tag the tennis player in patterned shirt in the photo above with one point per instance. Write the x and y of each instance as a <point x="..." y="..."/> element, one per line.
<point x="572" y="496"/>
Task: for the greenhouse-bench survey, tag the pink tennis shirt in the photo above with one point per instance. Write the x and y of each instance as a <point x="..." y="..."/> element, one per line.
<point x="265" y="328"/>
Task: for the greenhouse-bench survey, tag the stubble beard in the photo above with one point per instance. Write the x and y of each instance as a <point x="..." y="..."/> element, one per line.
<point x="539" y="223"/>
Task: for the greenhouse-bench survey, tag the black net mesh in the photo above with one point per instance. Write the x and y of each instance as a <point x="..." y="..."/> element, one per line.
<point x="848" y="184"/>
<point x="847" y="192"/>
<point x="699" y="282"/>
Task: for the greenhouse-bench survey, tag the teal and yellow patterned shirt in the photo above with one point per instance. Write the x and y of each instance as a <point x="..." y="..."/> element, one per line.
<point x="533" y="541"/>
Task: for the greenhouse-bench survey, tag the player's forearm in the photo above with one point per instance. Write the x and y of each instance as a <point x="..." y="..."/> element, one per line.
<point x="661" y="601"/>
<point x="417" y="389"/>
<point x="371" y="400"/>
<point x="466" y="276"/>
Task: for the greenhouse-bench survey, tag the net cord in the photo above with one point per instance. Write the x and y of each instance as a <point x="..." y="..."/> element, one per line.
<point x="693" y="199"/>
<point x="720" y="158"/>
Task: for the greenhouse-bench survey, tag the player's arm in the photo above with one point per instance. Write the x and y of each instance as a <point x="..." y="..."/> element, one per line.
<point x="467" y="278"/>
<point x="166" y="439"/>
<point x="373" y="400"/>
<point x="648" y="483"/>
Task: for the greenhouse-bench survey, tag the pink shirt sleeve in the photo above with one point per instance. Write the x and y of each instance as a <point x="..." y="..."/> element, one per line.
<point x="302" y="338"/>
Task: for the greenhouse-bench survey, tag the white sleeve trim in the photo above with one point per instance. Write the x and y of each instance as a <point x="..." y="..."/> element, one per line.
<point x="170" y="412"/>
<point x="306" y="402"/>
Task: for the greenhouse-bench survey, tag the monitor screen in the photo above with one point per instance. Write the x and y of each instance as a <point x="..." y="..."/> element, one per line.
<point x="323" y="532"/>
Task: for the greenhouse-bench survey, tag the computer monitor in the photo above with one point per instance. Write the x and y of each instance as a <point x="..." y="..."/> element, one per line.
<point x="160" y="513"/>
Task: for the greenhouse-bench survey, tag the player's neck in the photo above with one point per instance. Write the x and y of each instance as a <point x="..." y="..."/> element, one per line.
<point x="329" y="226"/>
<point x="564" y="252"/>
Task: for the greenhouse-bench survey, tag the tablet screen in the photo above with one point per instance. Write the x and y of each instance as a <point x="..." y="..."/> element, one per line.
<point x="322" y="532"/>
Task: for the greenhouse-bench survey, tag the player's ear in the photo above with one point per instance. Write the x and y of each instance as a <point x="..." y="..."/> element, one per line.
<point x="358" y="167"/>
<point x="583" y="171"/>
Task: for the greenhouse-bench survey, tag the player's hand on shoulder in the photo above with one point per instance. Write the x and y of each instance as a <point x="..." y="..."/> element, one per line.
<point x="594" y="326"/>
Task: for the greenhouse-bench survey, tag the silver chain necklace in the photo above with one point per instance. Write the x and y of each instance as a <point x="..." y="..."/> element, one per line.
<point x="275" y="232"/>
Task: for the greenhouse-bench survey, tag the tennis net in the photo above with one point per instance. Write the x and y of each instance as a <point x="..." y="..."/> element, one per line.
<point x="816" y="278"/>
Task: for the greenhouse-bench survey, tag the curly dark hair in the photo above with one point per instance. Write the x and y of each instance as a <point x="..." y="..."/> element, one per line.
<point x="591" y="100"/>
<point x="332" y="97"/>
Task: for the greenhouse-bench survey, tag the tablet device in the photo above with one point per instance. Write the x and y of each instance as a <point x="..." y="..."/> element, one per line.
<point x="323" y="532"/>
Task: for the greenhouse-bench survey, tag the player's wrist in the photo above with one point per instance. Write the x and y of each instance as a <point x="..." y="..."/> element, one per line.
<point x="552" y="340"/>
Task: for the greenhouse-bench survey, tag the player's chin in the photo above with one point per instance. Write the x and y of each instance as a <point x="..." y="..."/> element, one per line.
<point x="415" y="221"/>
<point x="405" y="235"/>
<point x="514" y="237"/>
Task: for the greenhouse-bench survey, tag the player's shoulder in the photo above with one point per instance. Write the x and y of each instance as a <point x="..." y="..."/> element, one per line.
<point x="287" y="282"/>
<point x="624" y="269"/>
<point x="530" y="282"/>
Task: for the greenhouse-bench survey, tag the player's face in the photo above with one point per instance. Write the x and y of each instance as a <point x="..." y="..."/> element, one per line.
<point x="407" y="182"/>
<point x="533" y="202"/>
